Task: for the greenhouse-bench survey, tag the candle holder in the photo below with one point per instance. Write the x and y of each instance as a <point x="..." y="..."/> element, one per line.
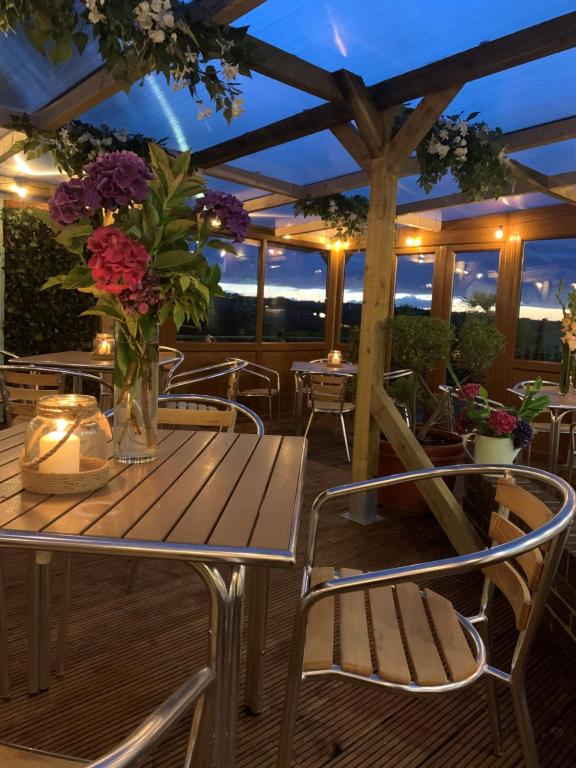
<point x="66" y="446"/>
<point x="103" y="346"/>
<point x="334" y="358"/>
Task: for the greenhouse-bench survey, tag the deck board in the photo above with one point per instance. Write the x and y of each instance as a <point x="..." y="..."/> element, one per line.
<point x="127" y="651"/>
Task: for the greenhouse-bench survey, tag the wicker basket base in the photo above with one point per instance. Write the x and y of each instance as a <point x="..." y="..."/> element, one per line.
<point x="93" y="474"/>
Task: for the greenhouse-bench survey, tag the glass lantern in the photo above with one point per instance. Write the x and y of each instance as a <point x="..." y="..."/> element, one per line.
<point x="335" y="358"/>
<point x="66" y="446"/>
<point x="103" y="346"/>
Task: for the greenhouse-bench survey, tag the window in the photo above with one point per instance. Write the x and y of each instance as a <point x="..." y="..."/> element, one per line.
<point x="474" y="286"/>
<point x="353" y="292"/>
<point x="413" y="290"/>
<point x="547" y="263"/>
<point x="294" y="294"/>
<point x="233" y="316"/>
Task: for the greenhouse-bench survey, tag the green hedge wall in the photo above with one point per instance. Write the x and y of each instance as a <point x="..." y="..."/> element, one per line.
<point x="40" y="321"/>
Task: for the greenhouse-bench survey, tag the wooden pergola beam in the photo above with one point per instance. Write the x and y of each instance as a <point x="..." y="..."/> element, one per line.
<point x="511" y="50"/>
<point x="367" y="117"/>
<point x="258" y="180"/>
<point x="540" y="182"/>
<point x="317" y="225"/>
<point x="348" y="135"/>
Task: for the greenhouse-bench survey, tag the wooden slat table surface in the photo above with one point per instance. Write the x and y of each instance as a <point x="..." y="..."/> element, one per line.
<point x="308" y="367"/>
<point x="207" y="493"/>
<point x="77" y="359"/>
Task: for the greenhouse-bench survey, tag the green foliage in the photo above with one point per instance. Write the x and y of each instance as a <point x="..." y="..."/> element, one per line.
<point x="483" y="299"/>
<point x="348" y="215"/>
<point x="420" y="343"/>
<point x="478" y="345"/>
<point x="179" y="42"/>
<point x="39" y="322"/>
<point x="73" y="145"/>
<point x="532" y="403"/>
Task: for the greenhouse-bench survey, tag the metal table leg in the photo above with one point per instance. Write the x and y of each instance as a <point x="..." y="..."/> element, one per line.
<point x="39" y="623"/>
<point x="555" y="419"/>
<point x="299" y="400"/>
<point x="256" y="639"/>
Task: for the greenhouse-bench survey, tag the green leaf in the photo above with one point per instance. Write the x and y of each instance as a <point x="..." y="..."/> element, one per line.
<point x="60" y="52"/>
<point x="178" y="316"/>
<point x="172" y="259"/>
<point x="18" y="146"/>
<point x="222" y="245"/>
<point x="80" y="41"/>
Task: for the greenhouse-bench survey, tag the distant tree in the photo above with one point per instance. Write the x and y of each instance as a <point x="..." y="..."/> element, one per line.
<point x="486" y="301"/>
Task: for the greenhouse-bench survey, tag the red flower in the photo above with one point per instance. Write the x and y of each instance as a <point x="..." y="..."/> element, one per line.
<point x="502" y="422"/>
<point x="470" y="391"/>
<point x="117" y="262"/>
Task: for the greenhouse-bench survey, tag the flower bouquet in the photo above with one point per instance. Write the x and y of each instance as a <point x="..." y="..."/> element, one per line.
<point x="568" y="340"/>
<point x="130" y="226"/>
<point x="500" y="432"/>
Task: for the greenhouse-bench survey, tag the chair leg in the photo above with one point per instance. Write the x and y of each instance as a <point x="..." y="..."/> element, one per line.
<point x="309" y="424"/>
<point x="525" y="725"/>
<point x="64" y="615"/>
<point x="290" y="711"/>
<point x="270" y="414"/>
<point x="491" y="692"/>
<point x="345" y="436"/>
<point x="4" y="658"/>
<point x="572" y="443"/>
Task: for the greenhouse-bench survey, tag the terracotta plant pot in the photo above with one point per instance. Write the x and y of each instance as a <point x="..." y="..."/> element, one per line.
<point x="406" y="498"/>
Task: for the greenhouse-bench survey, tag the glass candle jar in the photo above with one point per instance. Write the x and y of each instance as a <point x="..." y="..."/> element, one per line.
<point x="103" y="346"/>
<point x="66" y="444"/>
<point x="335" y="357"/>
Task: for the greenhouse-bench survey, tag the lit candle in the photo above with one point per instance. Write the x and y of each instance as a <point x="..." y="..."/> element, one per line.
<point x="67" y="458"/>
<point x="335" y="357"/>
<point x="105" y="347"/>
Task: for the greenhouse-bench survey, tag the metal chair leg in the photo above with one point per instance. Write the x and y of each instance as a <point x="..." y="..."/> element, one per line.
<point x="64" y="615"/>
<point x="572" y="442"/>
<point x="345" y="436"/>
<point x="491" y="691"/>
<point x="270" y="414"/>
<point x="4" y="657"/>
<point x="309" y="424"/>
<point x="525" y="725"/>
<point x="291" y="700"/>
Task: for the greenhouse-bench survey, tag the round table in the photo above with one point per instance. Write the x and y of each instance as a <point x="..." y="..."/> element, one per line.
<point x="84" y="361"/>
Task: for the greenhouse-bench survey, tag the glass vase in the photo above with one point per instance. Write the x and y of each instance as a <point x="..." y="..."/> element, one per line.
<point x="136" y="374"/>
<point x="566" y="370"/>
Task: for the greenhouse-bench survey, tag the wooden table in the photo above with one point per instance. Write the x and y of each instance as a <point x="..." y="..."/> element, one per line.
<point x="82" y="361"/>
<point x="303" y="367"/>
<point x="219" y="501"/>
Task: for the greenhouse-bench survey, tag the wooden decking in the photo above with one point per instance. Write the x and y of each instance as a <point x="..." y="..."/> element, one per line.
<point x="127" y="651"/>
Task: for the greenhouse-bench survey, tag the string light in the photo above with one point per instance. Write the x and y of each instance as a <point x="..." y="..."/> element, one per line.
<point x="215" y="223"/>
<point x="499" y="234"/>
<point x="413" y="241"/>
<point x="287" y="237"/>
<point x="20" y="191"/>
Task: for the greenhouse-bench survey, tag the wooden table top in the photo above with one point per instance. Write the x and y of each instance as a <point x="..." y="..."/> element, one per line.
<point x="75" y="358"/>
<point x="308" y="367"/>
<point x="208" y="497"/>
<point x="567" y="401"/>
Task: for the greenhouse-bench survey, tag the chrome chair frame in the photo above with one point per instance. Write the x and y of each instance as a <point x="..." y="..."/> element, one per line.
<point x="140" y="742"/>
<point x="342" y="378"/>
<point x="9" y="355"/>
<point x="555" y="531"/>
<point x="173" y="367"/>
<point x="263" y="373"/>
<point x="76" y="376"/>
<point x="208" y="373"/>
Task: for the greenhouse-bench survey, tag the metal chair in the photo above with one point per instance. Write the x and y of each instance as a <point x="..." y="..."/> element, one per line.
<point x="204" y="411"/>
<point x="226" y="370"/>
<point x="326" y="393"/>
<point x="9" y="355"/>
<point x="269" y="376"/>
<point x="23" y="385"/>
<point x="169" y="370"/>
<point x="422" y="644"/>
<point x="300" y="381"/>
<point x="134" y="748"/>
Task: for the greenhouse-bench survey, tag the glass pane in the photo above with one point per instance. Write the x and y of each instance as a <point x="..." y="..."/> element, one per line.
<point x="474" y="287"/>
<point x="546" y="263"/>
<point x="233" y="317"/>
<point x="353" y="293"/>
<point x="414" y="275"/>
<point x="295" y="294"/>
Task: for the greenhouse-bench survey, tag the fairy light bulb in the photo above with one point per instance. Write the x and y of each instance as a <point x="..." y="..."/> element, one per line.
<point x="499" y="234"/>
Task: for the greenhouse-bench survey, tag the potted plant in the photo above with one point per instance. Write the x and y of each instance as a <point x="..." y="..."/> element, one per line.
<point x="422" y="343"/>
<point x="499" y="433"/>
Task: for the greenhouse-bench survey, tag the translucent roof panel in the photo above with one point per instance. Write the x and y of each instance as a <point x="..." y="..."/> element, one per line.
<point x="502" y="205"/>
<point x="552" y="159"/>
<point x="28" y="81"/>
<point x="156" y="110"/>
<point x="383" y="38"/>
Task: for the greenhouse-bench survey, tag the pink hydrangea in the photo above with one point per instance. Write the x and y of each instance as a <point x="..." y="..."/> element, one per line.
<point x="502" y="422"/>
<point x="115" y="179"/>
<point x="68" y="203"/>
<point x="470" y="391"/>
<point x="118" y="262"/>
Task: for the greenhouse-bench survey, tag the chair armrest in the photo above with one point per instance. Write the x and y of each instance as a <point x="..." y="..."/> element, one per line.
<point x="156" y="724"/>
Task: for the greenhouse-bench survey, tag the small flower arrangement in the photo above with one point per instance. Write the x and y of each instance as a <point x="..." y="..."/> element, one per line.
<point x="568" y="339"/>
<point x="479" y="415"/>
<point x="347" y="214"/>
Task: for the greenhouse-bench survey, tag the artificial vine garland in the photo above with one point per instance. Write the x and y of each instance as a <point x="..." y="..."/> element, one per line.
<point x="134" y="37"/>
<point x="470" y="151"/>
<point x="75" y="144"/>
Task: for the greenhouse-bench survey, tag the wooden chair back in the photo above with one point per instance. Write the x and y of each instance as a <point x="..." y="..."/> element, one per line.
<point x="519" y="581"/>
<point x="326" y="389"/>
<point x="197" y="418"/>
<point x="21" y="391"/>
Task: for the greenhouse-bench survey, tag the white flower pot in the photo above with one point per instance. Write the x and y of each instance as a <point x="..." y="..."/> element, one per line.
<point x="494" y="450"/>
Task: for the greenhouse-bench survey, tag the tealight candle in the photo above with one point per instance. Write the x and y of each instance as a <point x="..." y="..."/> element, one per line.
<point x="103" y="345"/>
<point x="66" y="459"/>
<point x="335" y="357"/>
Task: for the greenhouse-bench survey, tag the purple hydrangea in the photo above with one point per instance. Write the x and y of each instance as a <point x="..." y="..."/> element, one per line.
<point x="115" y="179"/>
<point x="523" y="434"/>
<point x="68" y="203"/>
<point x="228" y="209"/>
<point x="145" y="298"/>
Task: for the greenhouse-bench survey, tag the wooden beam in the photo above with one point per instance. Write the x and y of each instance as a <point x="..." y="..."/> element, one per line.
<point x="543" y="183"/>
<point x="439" y="498"/>
<point x="418" y="222"/>
<point x="353" y="143"/>
<point x="269" y="201"/>
<point x="367" y="117"/>
<point x="521" y="47"/>
<point x="317" y="225"/>
<point x="255" y="179"/>
<point x="226" y="11"/>
<point x="417" y="126"/>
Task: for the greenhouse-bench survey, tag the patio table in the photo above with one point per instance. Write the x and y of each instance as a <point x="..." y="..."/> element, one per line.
<point x="301" y="367"/>
<point x="220" y="501"/>
<point x="81" y="361"/>
<point x="559" y="407"/>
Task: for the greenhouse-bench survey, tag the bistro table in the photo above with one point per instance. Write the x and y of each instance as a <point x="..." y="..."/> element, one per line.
<point x="82" y="361"/>
<point x="301" y="367"/>
<point x="559" y="407"/>
<point x="220" y="501"/>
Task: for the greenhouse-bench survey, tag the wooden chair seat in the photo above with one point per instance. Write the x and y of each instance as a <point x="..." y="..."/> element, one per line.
<point x="18" y="757"/>
<point x="416" y="635"/>
<point x="330" y="407"/>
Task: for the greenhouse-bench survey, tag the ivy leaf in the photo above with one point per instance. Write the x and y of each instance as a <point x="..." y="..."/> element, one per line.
<point x="80" y="41"/>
